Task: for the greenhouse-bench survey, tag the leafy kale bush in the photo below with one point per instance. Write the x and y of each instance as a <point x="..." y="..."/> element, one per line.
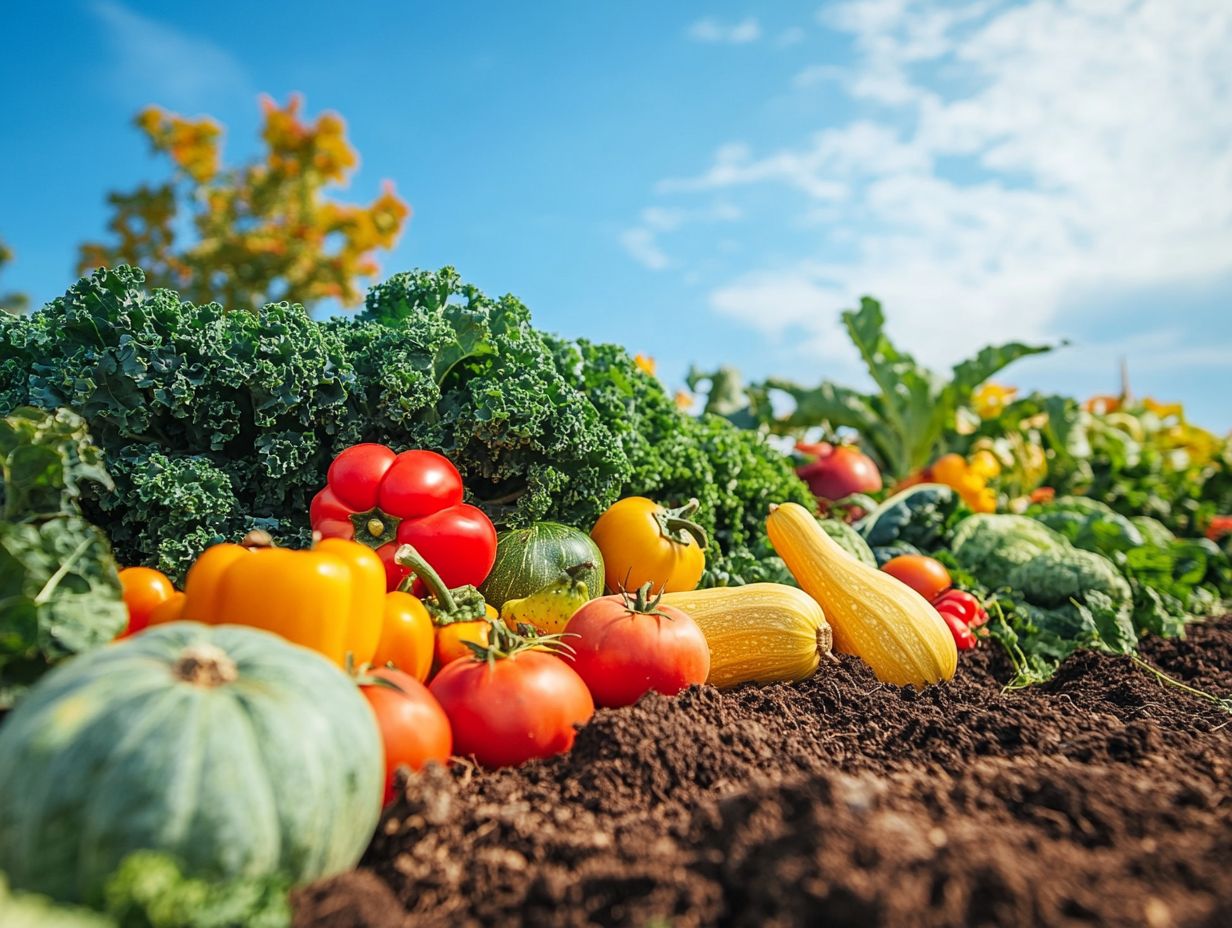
<point x="59" y="590"/>
<point x="216" y="422"/>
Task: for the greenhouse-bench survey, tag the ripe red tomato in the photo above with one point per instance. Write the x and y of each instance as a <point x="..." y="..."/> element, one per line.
<point x="926" y="575"/>
<point x="839" y="471"/>
<point x="144" y="590"/>
<point x="513" y="709"/>
<point x="962" y="604"/>
<point x="414" y="728"/>
<point x="624" y="650"/>
<point x="964" y="640"/>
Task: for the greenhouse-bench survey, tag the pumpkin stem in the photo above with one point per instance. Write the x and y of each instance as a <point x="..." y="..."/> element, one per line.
<point x="205" y="665"/>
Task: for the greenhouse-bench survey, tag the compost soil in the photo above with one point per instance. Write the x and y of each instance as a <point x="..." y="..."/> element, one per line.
<point x="1099" y="798"/>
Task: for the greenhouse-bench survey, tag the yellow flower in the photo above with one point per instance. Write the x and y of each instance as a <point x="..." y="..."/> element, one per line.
<point x="990" y="399"/>
<point x="684" y="400"/>
<point x="645" y="363"/>
<point x="984" y="464"/>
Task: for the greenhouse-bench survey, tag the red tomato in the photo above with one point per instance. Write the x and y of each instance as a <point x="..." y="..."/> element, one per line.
<point x="958" y="628"/>
<point x="962" y="604"/>
<point x="839" y="471"/>
<point x="513" y="709"/>
<point x="623" y="653"/>
<point x="144" y="590"/>
<point x="414" y="728"/>
<point x="925" y="575"/>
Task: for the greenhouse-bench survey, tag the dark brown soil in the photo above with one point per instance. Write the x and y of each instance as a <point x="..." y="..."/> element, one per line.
<point x="1101" y="798"/>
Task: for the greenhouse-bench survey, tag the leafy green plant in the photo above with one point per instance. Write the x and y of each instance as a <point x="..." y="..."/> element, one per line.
<point x="59" y="590"/>
<point x="216" y="422"/>
<point x="903" y="424"/>
<point x="150" y="890"/>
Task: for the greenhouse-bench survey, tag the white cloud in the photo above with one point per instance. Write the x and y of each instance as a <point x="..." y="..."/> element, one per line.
<point x="158" y="63"/>
<point x="642" y="247"/>
<point x="710" y="29"/>
<point x="792" y="35"/>
<point x="642" y="242"/>
<point x="1028" y="154"/>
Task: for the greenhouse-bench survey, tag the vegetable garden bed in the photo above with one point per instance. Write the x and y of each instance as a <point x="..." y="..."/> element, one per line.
<point x="1100" y="797"/>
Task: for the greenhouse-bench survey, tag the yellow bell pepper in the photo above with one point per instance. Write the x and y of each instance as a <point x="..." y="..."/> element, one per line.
<point x="330" y="598"/>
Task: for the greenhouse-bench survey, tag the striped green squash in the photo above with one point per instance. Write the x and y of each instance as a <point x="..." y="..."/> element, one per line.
<point x="528" y="559"/>
<point x="226" y="747"/>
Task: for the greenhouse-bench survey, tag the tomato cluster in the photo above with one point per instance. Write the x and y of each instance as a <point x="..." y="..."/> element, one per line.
<point x="961" y="611"/>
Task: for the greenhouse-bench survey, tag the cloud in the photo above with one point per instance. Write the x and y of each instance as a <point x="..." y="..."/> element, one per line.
<point x="157" y="63"/>
<point x="712" y="30"/>
<point x="1012" y="159"/>
<point x="792" y="35"/>
<point x="642" y="242"/>
<point x="642" y="247"/>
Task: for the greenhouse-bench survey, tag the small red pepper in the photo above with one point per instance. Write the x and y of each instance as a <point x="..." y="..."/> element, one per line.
<point x="958" y="628"/>
<point x="1220" y="526"/>
<point x="384" y="499"/>
<point x="962" y="604"/>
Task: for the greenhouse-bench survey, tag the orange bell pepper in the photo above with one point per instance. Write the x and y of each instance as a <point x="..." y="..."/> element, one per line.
<point x="330" y="598"/>
<point x="407" y="636"/>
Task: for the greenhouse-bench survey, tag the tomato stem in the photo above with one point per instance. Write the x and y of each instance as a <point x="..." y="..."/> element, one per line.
<point x="504" y="642"/>
<point x="677" y="524"/>
<point x="641" y="603"/>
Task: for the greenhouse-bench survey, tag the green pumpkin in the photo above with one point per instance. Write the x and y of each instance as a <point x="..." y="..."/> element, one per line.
<point x="528" y="559"/>
<point x="228" y="748"/>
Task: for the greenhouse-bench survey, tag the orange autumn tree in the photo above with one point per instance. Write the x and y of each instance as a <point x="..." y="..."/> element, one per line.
<point x="264" y="231"/>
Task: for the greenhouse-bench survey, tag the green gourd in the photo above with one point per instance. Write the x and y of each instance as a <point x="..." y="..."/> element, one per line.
<point x="228" y="748"/>
<point x="528" y="559"/>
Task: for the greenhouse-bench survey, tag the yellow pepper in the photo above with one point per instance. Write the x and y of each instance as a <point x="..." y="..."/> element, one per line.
<point x="990" y="399"/>
<point x="330" y="598"/>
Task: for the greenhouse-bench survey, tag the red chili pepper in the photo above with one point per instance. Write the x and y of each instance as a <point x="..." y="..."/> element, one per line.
<point x="384" y="500"/>
<point x="962" y="604"/>
<point x="1220" y="526"/>
<point x="958" y="628"/>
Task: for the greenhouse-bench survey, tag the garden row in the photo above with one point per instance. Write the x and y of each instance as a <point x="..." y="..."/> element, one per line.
<point x="432" y="531"/>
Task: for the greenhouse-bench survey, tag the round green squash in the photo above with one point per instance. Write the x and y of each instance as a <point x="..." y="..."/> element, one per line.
<point x="226" y="747"/>
<point x="528" y="559"/>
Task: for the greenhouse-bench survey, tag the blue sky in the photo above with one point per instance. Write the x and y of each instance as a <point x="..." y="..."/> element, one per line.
<point x="712" y="182"/>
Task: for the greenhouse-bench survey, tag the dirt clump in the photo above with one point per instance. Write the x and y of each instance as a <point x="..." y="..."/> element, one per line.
<point x="1100" y="798"/>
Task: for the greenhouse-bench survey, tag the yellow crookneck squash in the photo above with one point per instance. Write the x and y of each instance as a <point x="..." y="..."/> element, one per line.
<point x="874" y="616"/>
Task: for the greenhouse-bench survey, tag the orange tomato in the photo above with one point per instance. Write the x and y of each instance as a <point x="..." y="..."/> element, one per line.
<point x="450" y="638"/>
<point x="407" y="639"/>
<point x="925" y="575"/>
<point x="642" y="542"/>
<point x="169" y="610"/>
<point x="144" y="589"/>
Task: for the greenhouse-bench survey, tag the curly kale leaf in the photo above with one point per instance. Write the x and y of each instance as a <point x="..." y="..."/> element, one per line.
<point x="734" y="473"/>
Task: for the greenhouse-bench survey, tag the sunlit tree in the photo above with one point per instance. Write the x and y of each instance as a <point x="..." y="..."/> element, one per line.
<point x="259" y="232"/>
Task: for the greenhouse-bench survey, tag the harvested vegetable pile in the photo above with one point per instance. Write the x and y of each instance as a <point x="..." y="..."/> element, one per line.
<point x="1099" y="798"/>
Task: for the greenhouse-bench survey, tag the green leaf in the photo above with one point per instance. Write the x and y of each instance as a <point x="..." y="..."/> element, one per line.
<point x="59" y="595"/>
